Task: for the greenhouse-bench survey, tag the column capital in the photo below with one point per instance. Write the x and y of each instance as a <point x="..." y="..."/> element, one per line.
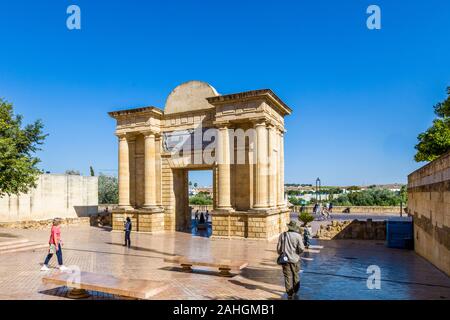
<point x="271" y="125"/>
<point x="259" y="123"/>
<point x="223" y="125"/>
<point x="149" y="134"/>
<point x="129" y="136"/>
<point x="121" y="136"/>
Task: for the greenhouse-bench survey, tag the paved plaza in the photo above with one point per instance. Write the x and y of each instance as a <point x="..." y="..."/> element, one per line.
<point x="337" y="272"/>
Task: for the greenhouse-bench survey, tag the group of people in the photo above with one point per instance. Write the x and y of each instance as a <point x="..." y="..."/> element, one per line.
<point x="290" y="245"/>
<point x="200" y="217"/>
<point x="324" y="211"/>
<point x="56" y="244"/>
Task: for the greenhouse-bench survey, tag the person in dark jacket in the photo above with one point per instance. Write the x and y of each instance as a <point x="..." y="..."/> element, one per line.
<point x="128" y="227"/>
<point x="202" y="218"/>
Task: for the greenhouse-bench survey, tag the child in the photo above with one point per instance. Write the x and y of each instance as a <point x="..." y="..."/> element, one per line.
<point x="55" y="246"/>
<point x="307" y="232"/>
<point x="128" y="227"/>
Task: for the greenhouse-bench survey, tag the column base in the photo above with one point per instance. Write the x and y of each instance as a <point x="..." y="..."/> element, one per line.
<point x="224" y="209"/>
<point x="124" y="208"/>
<point x="259" y="209"/>
<point x="152" y="208"/>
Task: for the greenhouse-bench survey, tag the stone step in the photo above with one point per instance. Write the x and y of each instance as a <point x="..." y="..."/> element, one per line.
<point x="13" y="242"/>
<point x="31" y="246"/>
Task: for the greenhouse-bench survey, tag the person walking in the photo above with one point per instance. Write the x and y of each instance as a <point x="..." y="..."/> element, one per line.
<point x="290" y="246"/>
<point x="196" y="215"/>
<point x="55" y="244"/>
<point x="202" y="218"/>
<point x="128" y="227"/>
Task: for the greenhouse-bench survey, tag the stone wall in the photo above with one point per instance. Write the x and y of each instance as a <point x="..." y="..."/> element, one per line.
<point x="248" y="225"/>
<point x="201" y="208"/>
<point x="107" y="207"/>
<point x="45" y="224"/>
<point x="337" y="209"/>
<point x="429" y="204"/>
<point x="63" y="196"/>
<point x="141" y="221"/>
<point x="358" y="209"/>
<point x="362" y="230"/>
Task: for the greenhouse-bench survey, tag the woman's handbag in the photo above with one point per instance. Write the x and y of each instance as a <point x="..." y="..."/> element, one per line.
<point x="52" y="249"/>
<point x="283" y="258"/>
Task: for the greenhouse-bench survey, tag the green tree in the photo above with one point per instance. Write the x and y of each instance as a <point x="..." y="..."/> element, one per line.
<point x="404" y="194"/>
<point x="436" y="140"/>
<point x="295" y="201"/>
<point x="72" y="172"/>
<point x="305" y="218"/>
<point x="201" y="198"/>
<point x="108" y="189"/>
<point x="369" y="197"/>
<point x="18" y="144"/>
<point x="91" y="169"/>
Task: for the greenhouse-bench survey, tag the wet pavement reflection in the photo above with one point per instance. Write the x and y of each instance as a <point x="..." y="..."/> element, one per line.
<point x="339" y="271"/>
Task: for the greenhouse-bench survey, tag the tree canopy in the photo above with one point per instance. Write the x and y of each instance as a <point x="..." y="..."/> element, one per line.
<point x="108" y="189"/>
<point x="201" y="198"/>
<point x="18" y="145"/>
<point x="370" y="197"/>
<point x="436" y="140"/>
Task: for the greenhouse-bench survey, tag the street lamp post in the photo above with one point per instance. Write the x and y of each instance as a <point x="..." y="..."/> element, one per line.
<point x="318" y="198"/>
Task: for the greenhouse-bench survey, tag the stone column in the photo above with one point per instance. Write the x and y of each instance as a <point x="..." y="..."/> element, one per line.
<point x="272" y="168"/>
<point x="281" y="200"/>
<point x="158" y="165"/>
<point x="261" y="166"/>
<point x="278" y="178"/>
<point x="223" y="166"/>
<point x="132" y="168"/>
<point x="124" y="173"/>
<point x="150" y="170"/>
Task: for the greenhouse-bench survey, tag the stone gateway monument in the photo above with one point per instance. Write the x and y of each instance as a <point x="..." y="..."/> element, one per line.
<point x="240" y="137"/>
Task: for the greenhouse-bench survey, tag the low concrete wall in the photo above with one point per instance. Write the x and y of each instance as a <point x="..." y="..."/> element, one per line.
<point x="201" y="208"/>
<point x="63" y="196"/>
<point x="429" y="203"/>
<point x="102" y="208"/>
<point x="358" y="209"/>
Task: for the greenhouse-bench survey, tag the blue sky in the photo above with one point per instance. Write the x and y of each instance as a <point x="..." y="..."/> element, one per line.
<point x="359" y="96"/>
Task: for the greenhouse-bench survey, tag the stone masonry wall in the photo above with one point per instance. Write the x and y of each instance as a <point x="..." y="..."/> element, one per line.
<point x="429" y="204"/>
<point x="245" y="225"/>
<point x="362" y="230"/>
<point x="62" y="196"/>
<point x="141" y="221"/>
